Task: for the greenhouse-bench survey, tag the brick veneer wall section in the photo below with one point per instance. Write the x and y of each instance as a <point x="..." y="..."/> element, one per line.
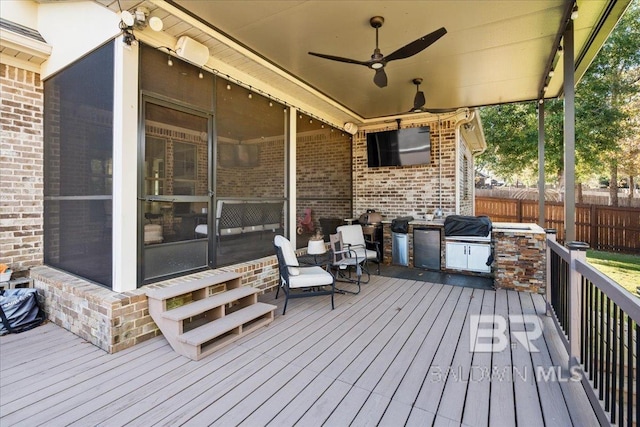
<point x="405" y="190"/>
<point x="323" y="175"/>
<point x="21" y="169"/>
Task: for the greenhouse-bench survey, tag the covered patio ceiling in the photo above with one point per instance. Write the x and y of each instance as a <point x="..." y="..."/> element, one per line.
<point x="493" y="52"/>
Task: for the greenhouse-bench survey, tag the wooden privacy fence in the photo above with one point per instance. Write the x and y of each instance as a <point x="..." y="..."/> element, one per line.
<point x="604" y="228"/>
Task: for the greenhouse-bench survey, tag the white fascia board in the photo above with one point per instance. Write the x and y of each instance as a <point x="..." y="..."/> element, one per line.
<point x="24" y="44"/>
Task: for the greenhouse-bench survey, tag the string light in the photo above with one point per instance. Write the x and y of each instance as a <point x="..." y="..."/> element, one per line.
<point x="574" y="12"/>
<point x="251" y="89"/>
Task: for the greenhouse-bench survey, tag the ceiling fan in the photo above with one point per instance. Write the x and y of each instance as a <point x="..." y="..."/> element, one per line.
<point x="419" y="101"/>
<point x="378" y="60"/>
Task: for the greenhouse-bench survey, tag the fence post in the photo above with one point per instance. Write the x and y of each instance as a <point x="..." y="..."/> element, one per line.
<point x="593" y="237"/>
<point x="551" y="235"/>
<point x="577" y="250"/>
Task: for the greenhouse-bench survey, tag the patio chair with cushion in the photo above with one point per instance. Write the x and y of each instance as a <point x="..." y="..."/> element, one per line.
<point x="345" y="262"/>
<point x="297" y="280"/>
<point x="353" y="239"/>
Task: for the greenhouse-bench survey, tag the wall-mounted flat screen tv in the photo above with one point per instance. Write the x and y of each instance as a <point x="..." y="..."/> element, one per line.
<point x="402" y="147"/>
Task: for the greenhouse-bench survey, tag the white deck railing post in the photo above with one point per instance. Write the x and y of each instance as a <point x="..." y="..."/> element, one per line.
<point x="551" y="235"/>
<point x="577" y="250"/>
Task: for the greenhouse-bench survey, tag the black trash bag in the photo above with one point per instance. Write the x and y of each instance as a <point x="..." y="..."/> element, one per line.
<point x="20" y="310"/>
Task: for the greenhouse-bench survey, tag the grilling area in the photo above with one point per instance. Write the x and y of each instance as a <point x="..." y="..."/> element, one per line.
<point x="512" y="254"/>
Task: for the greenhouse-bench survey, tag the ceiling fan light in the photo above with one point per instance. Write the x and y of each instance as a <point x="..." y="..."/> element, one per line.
<point x="377" y="65"/>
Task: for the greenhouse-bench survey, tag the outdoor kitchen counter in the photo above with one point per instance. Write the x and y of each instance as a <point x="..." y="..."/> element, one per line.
<point x="516" y="228"/>
<point x="416" y="223"/>
<point x="421" y="223"/>
<point x="520" y="251"/>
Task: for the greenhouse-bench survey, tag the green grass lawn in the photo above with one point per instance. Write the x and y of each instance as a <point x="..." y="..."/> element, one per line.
<point x="623" y="268"/>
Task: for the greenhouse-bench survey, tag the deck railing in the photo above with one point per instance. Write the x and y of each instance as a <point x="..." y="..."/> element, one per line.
<point x="598" y="320"/>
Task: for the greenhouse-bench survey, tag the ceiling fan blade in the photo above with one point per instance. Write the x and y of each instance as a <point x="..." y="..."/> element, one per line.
<point x="340" y="59"/>
<point x="419" y="100"/>
<point x="439" y="110"/>
<point x="417" y="45"/>
<point x="380" y="79"/>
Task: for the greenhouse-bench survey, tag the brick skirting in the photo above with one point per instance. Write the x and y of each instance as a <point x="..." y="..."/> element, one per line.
<point x="114" y="321"/>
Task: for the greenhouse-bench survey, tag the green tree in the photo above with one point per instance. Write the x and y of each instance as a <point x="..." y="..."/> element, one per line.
<point x="604" y="122"/>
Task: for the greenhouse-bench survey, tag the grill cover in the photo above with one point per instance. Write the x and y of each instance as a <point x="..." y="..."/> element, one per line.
<point x="401" y="225"/>
<point x="461" y="225"/>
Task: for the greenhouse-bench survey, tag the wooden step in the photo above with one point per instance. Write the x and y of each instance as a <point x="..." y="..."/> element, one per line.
<point x="190" y="286"/>
<point x="198" y="307"/>
<point x="207" y="338"/>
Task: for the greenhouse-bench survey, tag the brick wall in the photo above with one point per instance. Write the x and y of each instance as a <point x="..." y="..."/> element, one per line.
<point x="21" y="173"/>
<point x="409" y="190"/>
<point x="264" y="181"/>
<point x="323" y="168"/>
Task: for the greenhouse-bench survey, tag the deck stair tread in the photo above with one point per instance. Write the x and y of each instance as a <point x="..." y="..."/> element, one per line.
<point x="211" y="330"/>
<point x="207" y="321"/>
<point x="190" y="286"/>
<point x="197" y="307"/>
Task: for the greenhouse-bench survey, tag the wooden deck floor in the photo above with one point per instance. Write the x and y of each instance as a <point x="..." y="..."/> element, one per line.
<point x="379" y="358"/>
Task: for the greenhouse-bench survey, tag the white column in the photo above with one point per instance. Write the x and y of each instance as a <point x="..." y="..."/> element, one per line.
<point x="125" y="166"/>
<point x="541" y="180"/>
<point x="577" y="250"/>
<point x="569" y="137"/>
<point x="290" y="180"/>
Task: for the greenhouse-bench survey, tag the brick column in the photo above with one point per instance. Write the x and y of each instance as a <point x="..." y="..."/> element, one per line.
<point x="21" y="169"/>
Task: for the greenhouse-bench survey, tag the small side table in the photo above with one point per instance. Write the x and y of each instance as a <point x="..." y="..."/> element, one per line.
<point x="317" y="250"/>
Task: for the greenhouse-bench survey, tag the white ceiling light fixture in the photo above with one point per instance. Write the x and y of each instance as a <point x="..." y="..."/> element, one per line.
<point x="156" y="24"/>
<point x="140" y="19"/>
<point x="127" y="18"/>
